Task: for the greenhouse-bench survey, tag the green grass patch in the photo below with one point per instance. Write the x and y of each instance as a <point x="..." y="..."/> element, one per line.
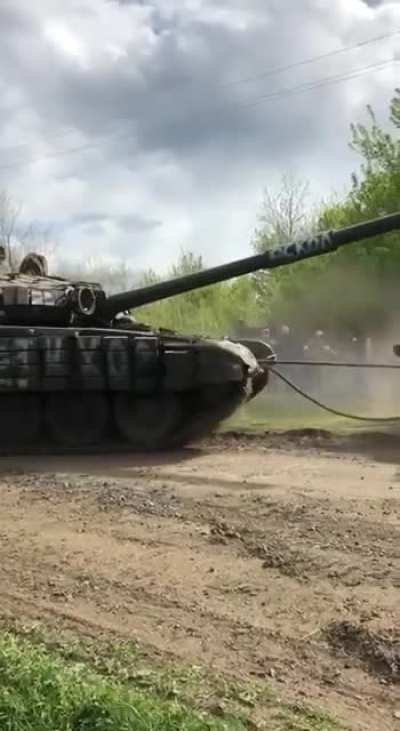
<point x="272" y="412"/>
<point x="55" y="681"/>
<point x="40" y="692"/>
<point x="283" y="412"/>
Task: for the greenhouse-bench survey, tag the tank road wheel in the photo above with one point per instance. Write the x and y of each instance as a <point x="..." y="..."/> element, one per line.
<point x="76" y="419"/>
<point x="20" y="422"/>
<point x="148" y="422"/>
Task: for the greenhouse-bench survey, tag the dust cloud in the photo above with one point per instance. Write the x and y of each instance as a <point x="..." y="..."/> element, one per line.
<point x="366" y="391"/>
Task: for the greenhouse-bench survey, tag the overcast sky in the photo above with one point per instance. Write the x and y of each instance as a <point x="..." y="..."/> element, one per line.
<point x="138" y="127"/>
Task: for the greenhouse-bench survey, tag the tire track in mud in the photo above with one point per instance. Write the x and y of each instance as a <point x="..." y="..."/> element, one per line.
<point x="243" y="563"/>
<point x="303" y="541"/>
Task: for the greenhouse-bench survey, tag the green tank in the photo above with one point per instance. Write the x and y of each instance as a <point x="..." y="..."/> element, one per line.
<point x="76" y="370"/>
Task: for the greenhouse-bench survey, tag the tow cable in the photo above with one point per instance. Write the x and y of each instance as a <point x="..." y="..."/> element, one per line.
<point x="325" y="407"/>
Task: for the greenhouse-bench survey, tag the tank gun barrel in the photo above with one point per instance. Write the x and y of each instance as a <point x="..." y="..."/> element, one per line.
<point x="291" y="253"/>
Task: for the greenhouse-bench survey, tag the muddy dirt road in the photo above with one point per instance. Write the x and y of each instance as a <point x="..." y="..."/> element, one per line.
<point x="263" y="557"/>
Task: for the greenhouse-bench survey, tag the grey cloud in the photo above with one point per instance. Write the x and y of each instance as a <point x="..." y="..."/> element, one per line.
<point x="125" y="222"/>
<point x="137" y="223"/>
<point x="168" y="109"/>
<point x="178" y="111"/>
<point x="169" y="120"/>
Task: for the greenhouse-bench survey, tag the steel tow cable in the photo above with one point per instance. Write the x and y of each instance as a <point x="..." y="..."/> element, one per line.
<point x="325" y="407"/>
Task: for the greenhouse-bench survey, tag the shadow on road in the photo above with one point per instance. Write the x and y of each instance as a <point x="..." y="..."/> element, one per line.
<point x="117" y="463"/>
<point x="380" y="446"/>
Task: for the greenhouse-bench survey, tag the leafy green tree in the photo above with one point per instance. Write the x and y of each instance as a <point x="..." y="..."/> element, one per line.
<point x="286" y="215"/>
<point x="211" y="310"/>
<point x="356" y="288"/>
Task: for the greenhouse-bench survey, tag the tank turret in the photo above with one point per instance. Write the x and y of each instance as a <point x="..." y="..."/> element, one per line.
<point x="77" y="370"/>
<point x="31" y="296"/>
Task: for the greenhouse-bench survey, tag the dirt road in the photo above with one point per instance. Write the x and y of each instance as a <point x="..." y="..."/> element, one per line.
<point x="266" y="557"/>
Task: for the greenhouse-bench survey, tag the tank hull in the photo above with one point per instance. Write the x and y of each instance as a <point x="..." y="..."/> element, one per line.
<point x="78" y="387"/>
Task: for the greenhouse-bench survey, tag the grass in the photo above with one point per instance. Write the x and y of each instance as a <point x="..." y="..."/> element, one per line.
<point x="285" y="410"/>
<point x="53" y="681"/>
<point x="272" y="412"/>
<point x="39" y="692"/>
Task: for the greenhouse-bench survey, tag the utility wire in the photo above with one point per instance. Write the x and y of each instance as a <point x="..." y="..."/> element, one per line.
<point x="327" y="81"/>
<point x="278" y="94"/>
<point x="61" y="153"/>
<point x="25" y="145"/>
<point x="312" y="59"/>
<point x="236" y="82"/>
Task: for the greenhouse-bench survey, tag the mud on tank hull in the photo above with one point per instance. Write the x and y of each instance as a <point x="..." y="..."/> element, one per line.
<point x="81" y="387"/>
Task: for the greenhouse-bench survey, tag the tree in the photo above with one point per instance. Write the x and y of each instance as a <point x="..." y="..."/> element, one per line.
<point x="356" y="288"/>
<point x="211" y="310"/>
<point x="113" y="277"/>
<point x="373" y="265"/>
<point x="285" y="214"/>
<point x="17" y="237"/>
<point x="9" y="213"/>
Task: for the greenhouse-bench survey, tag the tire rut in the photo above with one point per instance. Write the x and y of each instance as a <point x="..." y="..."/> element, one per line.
<point x="243" y="574"/>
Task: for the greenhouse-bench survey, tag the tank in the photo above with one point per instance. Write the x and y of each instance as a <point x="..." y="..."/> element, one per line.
<point x="77" y="370"/>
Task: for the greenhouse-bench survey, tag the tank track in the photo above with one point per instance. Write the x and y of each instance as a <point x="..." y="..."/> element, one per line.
<point x="90" y="388"/>
<point x="29" y="422"/>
